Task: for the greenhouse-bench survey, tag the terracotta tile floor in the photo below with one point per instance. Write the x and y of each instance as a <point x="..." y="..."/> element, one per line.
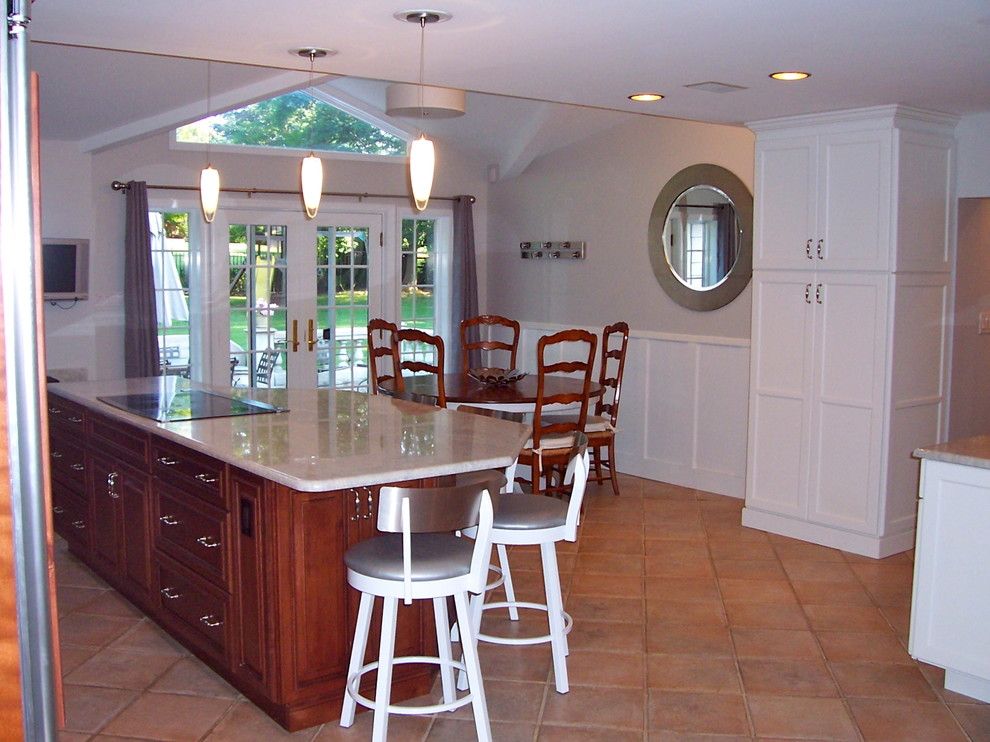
<point x="687" y="626"/>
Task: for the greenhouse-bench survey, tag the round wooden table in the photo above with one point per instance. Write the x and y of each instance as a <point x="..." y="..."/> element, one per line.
<point x="462" y="389"/>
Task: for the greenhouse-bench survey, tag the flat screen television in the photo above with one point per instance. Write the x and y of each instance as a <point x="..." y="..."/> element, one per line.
<point x="65" y="267"/>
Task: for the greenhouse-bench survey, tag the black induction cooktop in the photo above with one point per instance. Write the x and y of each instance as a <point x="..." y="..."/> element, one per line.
<point x="187" y="404"/>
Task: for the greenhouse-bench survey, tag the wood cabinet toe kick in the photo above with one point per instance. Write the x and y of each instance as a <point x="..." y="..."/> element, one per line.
<point x="244" y="572"/>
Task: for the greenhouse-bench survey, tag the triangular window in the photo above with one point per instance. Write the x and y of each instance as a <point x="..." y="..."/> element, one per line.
<point x="294" y="121"/>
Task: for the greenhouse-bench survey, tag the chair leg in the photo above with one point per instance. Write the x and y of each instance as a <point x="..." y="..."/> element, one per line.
<point x="611" y="465"/>
<point x="555" y="615"/>
<point x="468" y="643"/>
<point x="383" y="691"/>
<point x="598" y="464"/>
<point x="361" y="630"/>
<point x="510" y="592"/>
<point x="443" y="648"/>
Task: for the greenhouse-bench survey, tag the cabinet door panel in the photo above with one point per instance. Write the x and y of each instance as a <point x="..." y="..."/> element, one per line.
<point x="786" y="197"/>
<point x="105" y="513"/>
<point x="781" y="385"/>
<point x="134" y="504"/>
<point x="855" y="201"/>
<point x="848" y="402"/>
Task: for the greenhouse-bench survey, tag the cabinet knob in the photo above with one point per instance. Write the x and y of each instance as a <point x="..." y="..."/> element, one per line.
<point x="210" y="621"/>
<point x="807" y="249"/>
<point x="206" y="478"/>
<point x="79" y="524"/>
<point x="166" y="461"/>
<point x="171" y="593"/>
<point x="56" y="454"/>
<point x="77" y="467"/>
<point x="170" y="520"/>
<point x="208" y="542"/>
<point x="74" y="419"/>
<point x="58" y="509"/>
<point x="54" y="411"/>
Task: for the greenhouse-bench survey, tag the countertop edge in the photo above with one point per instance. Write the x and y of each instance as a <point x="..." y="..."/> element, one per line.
<point x="973" y="451"/>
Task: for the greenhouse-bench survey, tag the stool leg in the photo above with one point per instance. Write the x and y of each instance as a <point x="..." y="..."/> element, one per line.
<point x="383" y="691"/>
<point x="555" y="615"/>
<point x="510" y="593"/>
<point x="476" y="607"/>
<point x="478" y="702"/>
<point x="357" y="654"/>
<point x="443" y="648"/>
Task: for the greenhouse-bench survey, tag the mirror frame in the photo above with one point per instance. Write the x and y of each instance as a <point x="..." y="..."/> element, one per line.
<point x="740" y="273"/>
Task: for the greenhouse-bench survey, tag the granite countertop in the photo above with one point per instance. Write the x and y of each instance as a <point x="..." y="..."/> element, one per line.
<point x="327" y="439"/>
<point x="973" y="451"/>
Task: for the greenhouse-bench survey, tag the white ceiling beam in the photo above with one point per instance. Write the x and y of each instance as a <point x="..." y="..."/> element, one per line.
<point x="533" y="138"/>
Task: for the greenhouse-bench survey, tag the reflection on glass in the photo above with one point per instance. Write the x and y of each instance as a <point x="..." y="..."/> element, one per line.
<point x="701" y="237"/>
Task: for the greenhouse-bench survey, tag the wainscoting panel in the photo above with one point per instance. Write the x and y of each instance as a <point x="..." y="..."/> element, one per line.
<point x="684" y="409"/>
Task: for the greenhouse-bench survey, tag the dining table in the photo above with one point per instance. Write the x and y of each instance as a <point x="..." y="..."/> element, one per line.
<point x="462" y="388"/>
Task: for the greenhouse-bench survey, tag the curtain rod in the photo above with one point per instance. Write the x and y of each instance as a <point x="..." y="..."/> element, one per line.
<point x="118" y="185"/>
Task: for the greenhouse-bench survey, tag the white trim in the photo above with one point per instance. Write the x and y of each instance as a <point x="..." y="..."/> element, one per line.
<point x="294" y="152"/>
<point x="669" y="337"/>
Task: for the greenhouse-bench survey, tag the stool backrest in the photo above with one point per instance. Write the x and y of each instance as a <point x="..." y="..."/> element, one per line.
<point x="409" y="510"/>
<point x="581" y="360"/>
<point x="418" y="364"/>
<point x="476" y="348"/>
<point x="381" y="345"/>
<point x="615" y="340"/>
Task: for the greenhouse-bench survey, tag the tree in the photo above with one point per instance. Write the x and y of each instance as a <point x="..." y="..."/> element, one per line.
<point x="301" y="121"/>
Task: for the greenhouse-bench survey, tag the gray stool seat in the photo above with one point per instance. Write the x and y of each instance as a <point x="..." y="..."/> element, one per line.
<point x="528" y="512"/>
<point x="435" y="556"/>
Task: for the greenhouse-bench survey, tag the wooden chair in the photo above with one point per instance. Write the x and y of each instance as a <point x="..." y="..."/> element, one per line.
<point x="553" y="437"/>
<point x="414" y="361"/>
<point x="382" y="344"/>
<point x="488" y="320"/>
<point x="600" y="427"/>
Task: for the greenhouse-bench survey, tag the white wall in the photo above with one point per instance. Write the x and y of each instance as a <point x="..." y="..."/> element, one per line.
<point x="77" y="201"/>
<point x="973" y="146"/>
<point x="683" y="417"/>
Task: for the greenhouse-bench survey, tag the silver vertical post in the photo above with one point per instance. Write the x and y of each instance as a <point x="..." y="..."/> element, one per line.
<point x="24" y="392"/>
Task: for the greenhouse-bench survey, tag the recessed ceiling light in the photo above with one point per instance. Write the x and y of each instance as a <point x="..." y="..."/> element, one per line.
<point x="645" y="97"/>
<point x="790" y="75"/>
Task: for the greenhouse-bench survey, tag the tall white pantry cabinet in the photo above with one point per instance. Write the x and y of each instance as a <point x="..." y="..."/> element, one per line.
<point x="852" y="289"/>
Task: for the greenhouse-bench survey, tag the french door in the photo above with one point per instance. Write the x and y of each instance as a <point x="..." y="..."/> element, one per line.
<point x="298" y="294"/>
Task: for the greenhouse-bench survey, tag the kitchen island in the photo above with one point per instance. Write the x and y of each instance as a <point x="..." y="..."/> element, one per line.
<point x="950" y="607"/>
<point x="230" y="531"/>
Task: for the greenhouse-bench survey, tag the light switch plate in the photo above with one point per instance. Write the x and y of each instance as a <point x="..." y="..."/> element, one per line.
<point x="984" y="323"/>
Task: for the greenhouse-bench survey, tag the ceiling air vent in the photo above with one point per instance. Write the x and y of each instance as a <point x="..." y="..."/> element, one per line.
<point x="715" y="87"/>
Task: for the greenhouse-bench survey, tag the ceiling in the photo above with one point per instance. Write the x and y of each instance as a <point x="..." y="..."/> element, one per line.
<point x="589" y="53"/>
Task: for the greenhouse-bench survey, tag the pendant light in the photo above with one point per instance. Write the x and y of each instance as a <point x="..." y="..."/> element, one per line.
<point x="311" y="169"/>
<point x="422" y="154"/>
<point x="209" y="179"/>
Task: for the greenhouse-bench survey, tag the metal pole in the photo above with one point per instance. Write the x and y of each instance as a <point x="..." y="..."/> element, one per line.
<point x="24" y="392"/>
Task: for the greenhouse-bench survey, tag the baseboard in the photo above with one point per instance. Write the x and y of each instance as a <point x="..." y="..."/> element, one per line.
<point x="721" y="483"/>
<point x="837" y="538"/>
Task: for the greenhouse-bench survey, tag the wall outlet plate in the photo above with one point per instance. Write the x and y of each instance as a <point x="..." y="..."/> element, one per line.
<point x="551" y="250"/>
<point x="984" y="326"/>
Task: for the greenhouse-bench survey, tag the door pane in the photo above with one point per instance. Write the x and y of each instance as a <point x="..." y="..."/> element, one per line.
<point x="342" y="306"/>
<point x="416" y="295"/>
<point x="170" y="265"/>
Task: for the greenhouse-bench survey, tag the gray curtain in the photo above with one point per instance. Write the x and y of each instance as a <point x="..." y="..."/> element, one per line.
<point x="464" y="279"/>
<point x="140" y="318"/>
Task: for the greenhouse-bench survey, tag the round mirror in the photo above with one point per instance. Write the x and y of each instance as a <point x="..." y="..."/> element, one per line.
<point x="701" y="237"/>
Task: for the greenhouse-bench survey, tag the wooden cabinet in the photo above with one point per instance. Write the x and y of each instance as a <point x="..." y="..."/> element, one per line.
<point x="849" y="342"/>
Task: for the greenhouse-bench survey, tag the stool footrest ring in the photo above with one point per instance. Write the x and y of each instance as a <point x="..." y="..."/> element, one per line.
<point x="355" y="680"/>
<point x="521" y="640"/>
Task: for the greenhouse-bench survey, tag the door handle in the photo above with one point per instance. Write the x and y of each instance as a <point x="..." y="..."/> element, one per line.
<point x="807" y="249"/>
<point x="819" y="249"/>
<point x="310" y="333"/>
<point x="295" y="335"/>
<point x="818" y="293"/>
<point x="807" y="293"/>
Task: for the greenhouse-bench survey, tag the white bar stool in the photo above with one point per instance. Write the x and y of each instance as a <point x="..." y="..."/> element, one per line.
<point x="533" y="520"/>
<point x="419" y="557"/>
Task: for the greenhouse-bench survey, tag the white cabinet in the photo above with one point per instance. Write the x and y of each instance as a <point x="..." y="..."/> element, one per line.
<point x="848" y="352"/>
<point x="951" y="599"/>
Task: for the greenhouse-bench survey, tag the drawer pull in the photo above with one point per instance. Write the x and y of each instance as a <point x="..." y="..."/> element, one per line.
<point x="167" y="461"/>
<point x="112" y="485"/>
<point x="54" y="411"/>
<point x="58" y="509"/>
<point x="371" y="502"/>
<point x="170" y="520"/>
<point x="206" y="478"/>
<point x="171" y="593"/>
<point x="210" y="620"/>
<point x="208" y="542"/>
<point x="77" y="467"/>
<point x="56" y="454"/>
<point x="74" y="419"/>
<point x="79" y="524"/>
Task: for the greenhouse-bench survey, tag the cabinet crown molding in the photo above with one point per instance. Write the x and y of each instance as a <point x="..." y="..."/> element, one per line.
<point x="898" y="116"/>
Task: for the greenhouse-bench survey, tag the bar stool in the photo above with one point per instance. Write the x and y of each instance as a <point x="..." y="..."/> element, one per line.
<point x="525" y="520"/>
<point x="419" y="557"/>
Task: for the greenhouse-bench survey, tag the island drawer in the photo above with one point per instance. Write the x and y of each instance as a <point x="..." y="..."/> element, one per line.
<point x="190" y="471"/>
<point x="68" y="463"/>
<point x="195" y="609"/>
<point x="192" y="532"/>
<point x="70" y="515"/>
<point x="119" y="440"/>
<point x="66" y="416"/>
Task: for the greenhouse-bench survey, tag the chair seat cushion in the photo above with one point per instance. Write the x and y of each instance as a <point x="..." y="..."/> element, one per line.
<point x="552" y="442"/>
<point x="435" y="556"/>
<point x="593" y="424"/>
<point x="519" y="512"/>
